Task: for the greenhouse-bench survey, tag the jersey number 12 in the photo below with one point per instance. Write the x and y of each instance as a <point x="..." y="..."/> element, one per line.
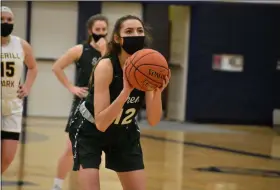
<point x="7" y="69"/>
<point x="129" y="114"/>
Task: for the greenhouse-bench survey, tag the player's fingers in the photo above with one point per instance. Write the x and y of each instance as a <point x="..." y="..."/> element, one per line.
<point x="82" y="91"/>
<point x="166" y="80"/>
<point x="79" y="95"/>
<point x="20" y="91"/>
<point x="169" y="73"/>
<point x="85" y="88"/>
<point x="20" y="95"/>
<point x="163" y="84"/>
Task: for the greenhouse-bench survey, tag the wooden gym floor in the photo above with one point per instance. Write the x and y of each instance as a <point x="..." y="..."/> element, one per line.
<point x="222" y="158"/>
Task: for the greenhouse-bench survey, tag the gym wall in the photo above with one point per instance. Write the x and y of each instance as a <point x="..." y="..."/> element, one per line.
<point x="247" y="29"/>
<point x="247" y="97"/>
<point x="55" y="27"/>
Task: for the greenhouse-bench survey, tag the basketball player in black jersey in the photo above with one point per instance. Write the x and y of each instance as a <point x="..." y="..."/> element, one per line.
<point x="85" y="56"/>
<point x="106" y="119"/>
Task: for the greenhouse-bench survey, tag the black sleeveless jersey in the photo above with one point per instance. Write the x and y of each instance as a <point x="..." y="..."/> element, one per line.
<point x="127" y="117"/>
<point x="84" y="65"/>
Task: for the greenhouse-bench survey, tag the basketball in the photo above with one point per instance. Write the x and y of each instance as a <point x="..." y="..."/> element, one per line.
<point x="146" y="69"/>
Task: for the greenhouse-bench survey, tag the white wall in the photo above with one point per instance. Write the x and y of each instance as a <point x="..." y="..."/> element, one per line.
<point x="48" y="97"/>
<point x="54" y="27"/>
<point x="276" y="116"/>
<point x="177" y="90"/>
<point x="115" y="10"/>
<point x="53" y="31"/>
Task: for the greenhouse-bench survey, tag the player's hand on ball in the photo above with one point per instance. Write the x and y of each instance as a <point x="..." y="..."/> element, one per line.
<point x="165" y="83"/>
<point x="127" y="87"/>
<point x="81" y="92"/>
<point x="22" y="91"/>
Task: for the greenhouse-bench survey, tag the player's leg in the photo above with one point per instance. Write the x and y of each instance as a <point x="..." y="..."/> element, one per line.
<point x="64" y="165"/>
<point x="87" y="155"/>
<point x="87" y="159"/>
<point x="10" y="134"/>
<point x="127" y="161"/>
<point x="133" y="180"/>
<point x="8" y="151"/>
<point x="65" y="162"/>
<point x="89" y="178"/>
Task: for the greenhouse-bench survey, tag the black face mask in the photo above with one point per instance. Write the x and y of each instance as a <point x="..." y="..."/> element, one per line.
<point x="6" y="29"/>
<point x="97" y="37"/>
<point x="131" y="44"/>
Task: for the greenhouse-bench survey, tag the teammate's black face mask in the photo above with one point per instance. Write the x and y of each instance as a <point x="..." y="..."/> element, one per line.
<point x="97" y="37"/>
<point x="6" y="29"/>
<point x="131" y="44"/>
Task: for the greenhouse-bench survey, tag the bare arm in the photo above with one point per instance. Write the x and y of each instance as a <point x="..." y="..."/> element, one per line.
<point x="153" y="106"/>
<point x="106" y="113"/>
<point x="31" y="64"/>
<point x="154" y="103"/>
<point x="65" y="60"/>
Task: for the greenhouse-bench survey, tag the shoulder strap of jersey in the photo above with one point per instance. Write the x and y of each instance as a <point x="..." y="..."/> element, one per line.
<point x="91" y="82"/>
<point x="18" y="43"/>
<point x="84" y="46"/>
<point x="116" y="66"/>
<point x="114" y="61"/>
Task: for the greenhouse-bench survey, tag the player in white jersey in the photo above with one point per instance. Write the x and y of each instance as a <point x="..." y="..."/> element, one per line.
<point x="15" y="52"/>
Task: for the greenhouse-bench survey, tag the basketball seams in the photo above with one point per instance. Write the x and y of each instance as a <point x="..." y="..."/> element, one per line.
<point x="144" y="64"/>
<point x="131" y="62"/>
<point x="136" y="68"/>
<point x="142" y="57"/>
<point x="152" y="65"/>
<point x="137" y="80"/>
<point x="128" y="74"/>
<point x="145" y="75"/>
<point x="132" y="65"/>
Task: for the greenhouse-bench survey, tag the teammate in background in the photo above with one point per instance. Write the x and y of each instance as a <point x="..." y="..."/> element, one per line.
<point x="15" y="52"/>
<point x="85" y="56"/>
<point x="106" y="119"/>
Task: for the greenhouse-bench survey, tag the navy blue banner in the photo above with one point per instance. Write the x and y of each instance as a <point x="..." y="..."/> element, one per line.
<point x="247" y="97"/>
<point x="86" y="9"/>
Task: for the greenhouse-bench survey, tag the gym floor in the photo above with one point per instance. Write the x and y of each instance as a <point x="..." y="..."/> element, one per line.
<point x="177" y="157"/>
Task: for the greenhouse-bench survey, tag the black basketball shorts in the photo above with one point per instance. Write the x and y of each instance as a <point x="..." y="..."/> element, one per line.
<point x="74" y="109"/>
<point x="88" y="144"/>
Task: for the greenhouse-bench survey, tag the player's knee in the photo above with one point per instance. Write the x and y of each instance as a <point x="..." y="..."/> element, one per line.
<point x="89" y="178"/>
<point x="8" y="151"/>
<point x="68" y="151"/>
<point x="7" y="158"/>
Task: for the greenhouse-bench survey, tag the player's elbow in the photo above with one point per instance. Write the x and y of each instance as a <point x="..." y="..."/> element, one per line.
<point x="153" y="117"/>
<point x="54" y="69"/>
<point x="34" y="69"/>
<point x="99" y="125"/>
<point x="153" y="122"/>
<point x="100" y="128"/>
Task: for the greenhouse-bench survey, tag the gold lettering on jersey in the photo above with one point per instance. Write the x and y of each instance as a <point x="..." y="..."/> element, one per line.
<point x="133" y="100"/>
<point x="10" y="56"/>
<point x="7" y="69"/>
<point x="7" y="83"/>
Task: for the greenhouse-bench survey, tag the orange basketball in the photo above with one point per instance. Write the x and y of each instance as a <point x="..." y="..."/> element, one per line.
<point x="146" y="69"/>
